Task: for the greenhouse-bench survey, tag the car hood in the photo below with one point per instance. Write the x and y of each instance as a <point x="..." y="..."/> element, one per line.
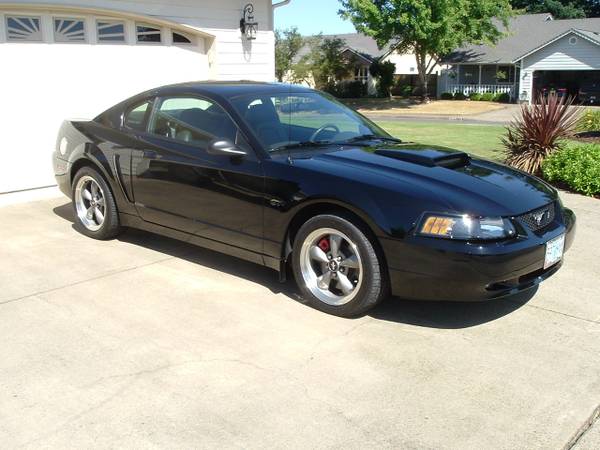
<point x="460" y="182"/>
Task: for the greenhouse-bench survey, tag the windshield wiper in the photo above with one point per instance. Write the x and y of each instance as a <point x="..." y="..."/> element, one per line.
<point x="300" y="144"/>
<point x="369" y="137"/>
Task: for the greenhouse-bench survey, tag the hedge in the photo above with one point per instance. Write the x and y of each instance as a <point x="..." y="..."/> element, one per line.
<point x="577" y="165"/>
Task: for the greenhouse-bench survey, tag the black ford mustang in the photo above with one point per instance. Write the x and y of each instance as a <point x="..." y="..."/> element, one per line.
<point x="277" y="174"/>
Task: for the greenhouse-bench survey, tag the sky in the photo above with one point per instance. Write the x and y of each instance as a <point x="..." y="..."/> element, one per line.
<point x="312" y="17"/>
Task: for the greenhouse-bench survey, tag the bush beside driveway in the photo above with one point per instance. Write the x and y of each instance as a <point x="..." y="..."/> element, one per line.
<point x="148" y="342"/>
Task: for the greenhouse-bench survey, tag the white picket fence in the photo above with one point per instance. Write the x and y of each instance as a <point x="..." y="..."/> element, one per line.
<point x="481" y="88"/>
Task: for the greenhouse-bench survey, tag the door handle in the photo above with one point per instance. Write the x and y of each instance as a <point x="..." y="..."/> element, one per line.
<point x="150" y="154"/>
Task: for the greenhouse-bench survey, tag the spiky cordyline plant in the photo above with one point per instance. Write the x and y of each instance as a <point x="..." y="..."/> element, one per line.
<point x="538" y="131"/>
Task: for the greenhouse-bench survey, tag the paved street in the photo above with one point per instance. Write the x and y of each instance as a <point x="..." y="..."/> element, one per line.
<point x="145" y="342"/>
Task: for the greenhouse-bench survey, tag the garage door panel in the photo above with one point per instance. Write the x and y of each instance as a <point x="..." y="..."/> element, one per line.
<point x="45" y="84"/>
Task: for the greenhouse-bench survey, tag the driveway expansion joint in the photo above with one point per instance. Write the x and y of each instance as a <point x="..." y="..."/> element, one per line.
<point x="587" y="425"/>
<point x="76" y="283"/>
<point x="571" y="316"/>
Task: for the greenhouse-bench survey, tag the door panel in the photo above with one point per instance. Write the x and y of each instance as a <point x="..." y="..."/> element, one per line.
<point x="181" y="186"/>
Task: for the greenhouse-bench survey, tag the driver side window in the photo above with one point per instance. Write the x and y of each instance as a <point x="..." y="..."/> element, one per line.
<point x="192" y="120"/>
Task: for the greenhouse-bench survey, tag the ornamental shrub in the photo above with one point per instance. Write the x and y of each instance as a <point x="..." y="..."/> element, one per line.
<point x="406" y="91"/>
<point x="475" y="96"/>
<point x="384" y="72"/>
<point x="577" y="165"/>
<point x="539" y="131"/>
<point x="447" y="96"/>
<point x="487" y="97"/>
<point x="460" y="96"/>
<point x="502" y="98"/>
<point x="589" y="121"/>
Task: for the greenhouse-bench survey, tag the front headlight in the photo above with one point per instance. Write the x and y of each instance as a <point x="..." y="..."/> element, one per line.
<point x="465" y="227"/>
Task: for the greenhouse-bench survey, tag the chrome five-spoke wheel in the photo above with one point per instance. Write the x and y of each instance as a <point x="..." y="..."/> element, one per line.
<point x="331" y="266"/>
<point x="90" y="203"/>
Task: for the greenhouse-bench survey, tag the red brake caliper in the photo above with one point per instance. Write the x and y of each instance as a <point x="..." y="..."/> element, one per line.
<point x="324" y="244"/>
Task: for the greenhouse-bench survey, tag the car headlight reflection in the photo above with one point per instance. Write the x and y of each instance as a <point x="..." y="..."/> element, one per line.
<point x="466" y="227"/>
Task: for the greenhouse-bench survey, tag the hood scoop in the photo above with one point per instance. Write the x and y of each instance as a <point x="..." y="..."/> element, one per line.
<point x="429" y="157"/>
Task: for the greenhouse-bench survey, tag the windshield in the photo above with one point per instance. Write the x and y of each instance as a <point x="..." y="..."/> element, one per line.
<point x="285" y="120"/>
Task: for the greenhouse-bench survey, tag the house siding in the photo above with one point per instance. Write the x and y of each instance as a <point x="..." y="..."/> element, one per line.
<point x="235" y="57"/>
<point x="560" y="55"/>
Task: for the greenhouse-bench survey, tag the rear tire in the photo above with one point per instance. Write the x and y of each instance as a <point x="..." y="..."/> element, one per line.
<point x="337" y="267"/>
<point x="96" y="213"/>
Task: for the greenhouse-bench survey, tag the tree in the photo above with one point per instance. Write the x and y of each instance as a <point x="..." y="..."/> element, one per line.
<point x="288" y="44"/>
<point x="384" y="72"/>
<point x="559" y="9"/>
<point x="429" y="28"/>
<point x="328" y="63"/>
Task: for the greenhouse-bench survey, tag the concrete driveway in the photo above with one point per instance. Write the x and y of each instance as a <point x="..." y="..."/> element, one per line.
<point x="144" y="342"/>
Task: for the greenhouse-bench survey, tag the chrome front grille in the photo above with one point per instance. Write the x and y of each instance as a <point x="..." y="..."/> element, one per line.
<point x="540" y="218"/>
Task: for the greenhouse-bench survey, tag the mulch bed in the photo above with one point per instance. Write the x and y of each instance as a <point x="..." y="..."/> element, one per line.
<point x="590" y="137"/>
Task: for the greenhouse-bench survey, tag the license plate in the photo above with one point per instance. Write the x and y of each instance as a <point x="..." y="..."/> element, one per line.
<point x="554" y="251"/>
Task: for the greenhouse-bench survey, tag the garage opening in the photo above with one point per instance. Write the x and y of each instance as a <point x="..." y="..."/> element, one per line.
<point x="584" y="85"/>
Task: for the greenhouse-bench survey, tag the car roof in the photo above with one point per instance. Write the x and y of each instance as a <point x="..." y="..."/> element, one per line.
<point x="229" y="89"/>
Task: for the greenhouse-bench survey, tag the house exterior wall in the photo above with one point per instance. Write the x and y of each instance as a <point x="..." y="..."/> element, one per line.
<point x="559" y="55"/>
<point x="406" y="63"/>
<point x="45" y="82"/>
<point x="234" y="56"/>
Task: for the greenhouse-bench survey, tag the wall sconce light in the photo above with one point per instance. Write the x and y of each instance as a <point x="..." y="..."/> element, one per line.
<point x="247" y="24"/>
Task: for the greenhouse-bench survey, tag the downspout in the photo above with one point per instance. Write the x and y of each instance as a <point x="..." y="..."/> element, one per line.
<point x="283" y="3"/>
<point x="274" y="6"/>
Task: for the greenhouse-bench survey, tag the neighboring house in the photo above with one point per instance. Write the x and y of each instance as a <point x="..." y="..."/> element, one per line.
<point x="361" y="51"/>
<point x="539" y="54"/>
<point x="75" y="58"/>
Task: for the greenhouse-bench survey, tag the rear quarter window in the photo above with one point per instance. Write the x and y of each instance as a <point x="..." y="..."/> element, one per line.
<point x="135" y="117"/>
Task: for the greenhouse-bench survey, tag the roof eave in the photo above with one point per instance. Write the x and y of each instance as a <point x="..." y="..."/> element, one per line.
<point x="551" y="41"/>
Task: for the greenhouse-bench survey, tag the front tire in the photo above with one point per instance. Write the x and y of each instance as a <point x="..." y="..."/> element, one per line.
<point x="96" y="213"/>
<point x="337" y="267"/>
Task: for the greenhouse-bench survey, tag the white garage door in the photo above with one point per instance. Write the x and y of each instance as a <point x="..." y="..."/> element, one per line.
<point x="56" y="67"/>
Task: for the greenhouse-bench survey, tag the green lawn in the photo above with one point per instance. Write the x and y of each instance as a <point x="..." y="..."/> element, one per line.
<point x="480" y="140"/>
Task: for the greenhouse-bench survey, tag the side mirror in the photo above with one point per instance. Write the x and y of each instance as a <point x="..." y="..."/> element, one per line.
<point x="225" y="147"/>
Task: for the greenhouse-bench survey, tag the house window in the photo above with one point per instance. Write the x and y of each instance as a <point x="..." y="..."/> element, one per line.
<point x="69" y="30"/>
<point x="147" y="33"/>
<point x="110" y="31"/>
<point x="180" y="38"/>
<point x="23" y="28"/>
<point x="361" y="74"/>
<point x="505" y="74"/>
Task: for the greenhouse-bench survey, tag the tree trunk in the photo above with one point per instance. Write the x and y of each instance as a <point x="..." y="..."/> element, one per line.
<point x="421" y="57"/>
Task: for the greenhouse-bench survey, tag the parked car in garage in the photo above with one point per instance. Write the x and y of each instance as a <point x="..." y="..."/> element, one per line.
<point x="589" y="92"/>
<point x="559" y="91"/>
<point x="286" y="176"/>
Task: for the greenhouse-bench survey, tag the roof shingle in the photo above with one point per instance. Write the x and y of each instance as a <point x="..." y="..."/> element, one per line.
<point x="525" y="33"/>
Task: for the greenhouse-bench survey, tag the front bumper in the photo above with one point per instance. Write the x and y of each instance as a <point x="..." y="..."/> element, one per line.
<point x="438" y="269"/>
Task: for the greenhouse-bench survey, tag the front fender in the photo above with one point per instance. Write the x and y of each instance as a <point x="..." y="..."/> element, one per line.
<point x="291" y="191"/>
